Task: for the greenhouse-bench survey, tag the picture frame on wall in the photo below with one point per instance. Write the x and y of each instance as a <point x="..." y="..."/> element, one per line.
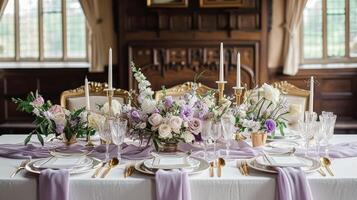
<point x="221" y="3"/>
<point x="167" y="3"/>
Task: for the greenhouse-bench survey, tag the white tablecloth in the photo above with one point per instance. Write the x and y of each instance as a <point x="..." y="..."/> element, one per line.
<point x="232" y="185"/>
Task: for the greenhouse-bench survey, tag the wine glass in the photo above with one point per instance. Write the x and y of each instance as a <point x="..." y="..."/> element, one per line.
<point x="328" y="119"/>
<point x="306" y="133"/>
<point x="228" y="130"/>
<point x="205" y="134"/>
<point x="216" y="133"/>
<point x="118" y="131"/>
<point x="105" y="135"/>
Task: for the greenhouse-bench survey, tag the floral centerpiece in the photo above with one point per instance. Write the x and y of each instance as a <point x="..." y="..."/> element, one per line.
<point x="53" y="119"/>
<point x="261" y="113"/>
<point x="168" y="121"/>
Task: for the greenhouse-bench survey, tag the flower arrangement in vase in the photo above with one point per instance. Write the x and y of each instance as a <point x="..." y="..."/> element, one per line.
<point x="168" y="121"/>
<point x="261" y="113"/>
<point x="53" y="119"/>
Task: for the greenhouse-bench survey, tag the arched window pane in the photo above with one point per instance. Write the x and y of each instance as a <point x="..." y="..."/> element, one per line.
<point x="313" y="29"/>
<point x="7" y="31"/>
<point x="52" y="29"/>
<point x="353" y="28"/>
<point x="76" y="30"/>
<point x="29" y="32"/>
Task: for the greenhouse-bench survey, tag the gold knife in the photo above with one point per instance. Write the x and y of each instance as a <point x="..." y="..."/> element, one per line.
<point x="321" y="172"/>
<point x="97" y="171"/>
<point x="211" y="171"/>
<point x="19" y="168"/>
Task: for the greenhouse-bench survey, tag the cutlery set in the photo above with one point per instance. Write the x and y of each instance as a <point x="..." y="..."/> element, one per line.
<point x="325" y="163"/>
<point x="243" y="167"/>
<point x="109" y="166"/>
<point x="220" y="163"/>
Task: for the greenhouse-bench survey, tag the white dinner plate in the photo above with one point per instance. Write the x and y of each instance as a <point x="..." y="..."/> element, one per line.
<point x="95" y="164"/>
<point x="203" y="165"/>
<point x="252" y="163"/>
<point x="171" y="162"/>
<point x="284" y="144"/>
<point x="65" y="151"/>
<point x="68" y="162"/>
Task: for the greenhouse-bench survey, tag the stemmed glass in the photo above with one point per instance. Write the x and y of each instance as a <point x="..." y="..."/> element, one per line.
<point x="319" y="135"/>
<point x="205" y="134"/>
<point x="228" y="130"/>
<point x="105" y="135"/>
<point x="328" y="120"/>
<point x="216" y="133"/>
<point x="307" y="127"/>
<point x="118" y="131"/>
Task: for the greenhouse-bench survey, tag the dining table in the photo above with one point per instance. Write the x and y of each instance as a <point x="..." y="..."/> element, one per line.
<point x="231" y="185"/>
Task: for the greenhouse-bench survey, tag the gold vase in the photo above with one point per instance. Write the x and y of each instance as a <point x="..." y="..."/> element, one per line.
<point x="70" y="141"/>
<point x="169" y="147"/>
<point x="258" y="138"/>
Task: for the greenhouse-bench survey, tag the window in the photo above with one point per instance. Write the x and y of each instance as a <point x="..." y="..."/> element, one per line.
<point x="329" y="32"/>
<point x="43" y="30"/>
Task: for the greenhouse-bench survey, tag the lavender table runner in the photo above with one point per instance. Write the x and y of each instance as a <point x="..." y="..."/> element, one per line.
<point x="54" y="185"/>
<point x="292" y="184"/>
<point x="172" y="185"/>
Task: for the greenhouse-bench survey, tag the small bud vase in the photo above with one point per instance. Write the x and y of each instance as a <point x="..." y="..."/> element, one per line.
<point x="169" y="147"/>
<point x="70" y="141"/>
<point x="258" y="138"/>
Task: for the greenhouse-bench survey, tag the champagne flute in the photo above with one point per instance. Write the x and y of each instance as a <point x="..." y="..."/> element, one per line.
<point x="228" y="130"/>
<point x="118" y="131"/>
<point x="205" y="134"/>
<point x="105" y="135"/>
<point x="216" y="133"/>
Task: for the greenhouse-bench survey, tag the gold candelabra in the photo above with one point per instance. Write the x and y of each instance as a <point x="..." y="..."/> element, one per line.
<point x="238" y="92"/>
<point x="220" y="85"/>
<point x="110" y="94"/>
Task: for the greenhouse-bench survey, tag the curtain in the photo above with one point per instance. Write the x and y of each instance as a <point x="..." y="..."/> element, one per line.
<point x="91" y="11"/>
<point x="2" y="6"/>
<point x="293" y="14"/>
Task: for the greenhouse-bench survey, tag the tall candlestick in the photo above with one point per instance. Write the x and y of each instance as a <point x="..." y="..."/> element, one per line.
<point x="238" y="81"/>
<point x="86" y="91"/>
<point x="311" y="100"/>
<point x="110" y="71"/>
<point x="221" y="64"/>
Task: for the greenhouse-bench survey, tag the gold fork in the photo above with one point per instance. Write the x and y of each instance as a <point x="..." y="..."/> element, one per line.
<point x="245" y="168"/>
<point x="19" y="168"/>
<point x="239" y="166"/>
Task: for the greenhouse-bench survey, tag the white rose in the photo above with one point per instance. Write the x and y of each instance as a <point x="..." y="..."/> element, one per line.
<point x="165" y="131"/>
<point x="142" y="125"/>
<point x="175" y="123"/>
<point x="185" y="124"/>
<point x="96" y="121"/>
<point x="148" y="105"/>
<point x="116" y="107"/>
<point x="188" y="137"/>
<point x="155" y="119"/>
<point x="271" y="93"/>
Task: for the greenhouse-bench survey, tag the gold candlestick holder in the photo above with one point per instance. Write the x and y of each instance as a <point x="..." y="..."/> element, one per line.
<point x="220" y="85"/>
<point x="110" y="94"/>
<point x="238" y="92"/>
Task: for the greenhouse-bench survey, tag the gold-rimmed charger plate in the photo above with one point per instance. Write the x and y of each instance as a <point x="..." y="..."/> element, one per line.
<point x="204" y="165"/>
<point x="96" y="163"/>
<point x="252" y="163"/>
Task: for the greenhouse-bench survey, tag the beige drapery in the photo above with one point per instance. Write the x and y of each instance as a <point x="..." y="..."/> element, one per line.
<point x="97" y="50"/>
<point x="2" y="6"/>
<point x="293" y="15"/>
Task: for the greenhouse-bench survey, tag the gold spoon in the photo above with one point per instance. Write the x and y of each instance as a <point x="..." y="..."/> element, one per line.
<point x="211" y="171"/>
<point x="112" y="163"/>
<point x="221" y="163"/>
<point x="326" y="163"/>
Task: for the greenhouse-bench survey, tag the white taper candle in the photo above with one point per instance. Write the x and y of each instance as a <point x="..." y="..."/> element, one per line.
<point x="311" y="100"/>
<point x="221" y="64"/>
<point x="86" y="91"/>
<point x="110" y="71"/>
<point x="238" y="81"/>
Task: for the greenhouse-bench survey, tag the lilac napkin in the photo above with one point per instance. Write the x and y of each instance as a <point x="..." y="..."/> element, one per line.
<point x="172" y="185"/>
<point x="54" y="185"/>
<point x="292" y="184"/>
<point x="19" y="151"/>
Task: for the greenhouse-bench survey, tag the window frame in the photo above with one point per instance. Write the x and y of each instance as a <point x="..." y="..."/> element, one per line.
<point x="325" y="59"/>
<point x="41" y="57"/>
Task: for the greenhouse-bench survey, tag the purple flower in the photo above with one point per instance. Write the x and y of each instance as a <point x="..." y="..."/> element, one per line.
<point x="168" y="101"/>
<point x="270" y="125"/>
<point x="59" y="128"/>
<point x="195" y="126"/>
<point x="202" y="109"/>
<point x="186" y="113"/>
<point x="39" y="101"/>
<point x="198" y="138"/>
<point x="134" y="115"/>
